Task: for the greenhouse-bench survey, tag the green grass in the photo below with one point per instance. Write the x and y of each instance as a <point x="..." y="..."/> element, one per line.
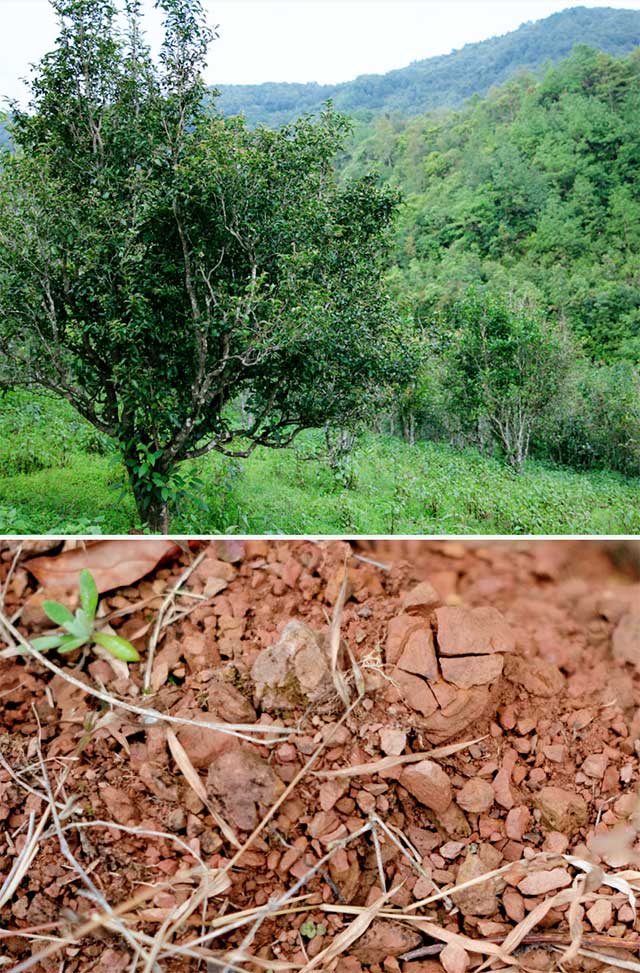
<point x="58" y="476"/>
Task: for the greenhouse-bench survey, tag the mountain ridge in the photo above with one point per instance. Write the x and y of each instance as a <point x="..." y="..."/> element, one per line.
<point x="446" y="80"/>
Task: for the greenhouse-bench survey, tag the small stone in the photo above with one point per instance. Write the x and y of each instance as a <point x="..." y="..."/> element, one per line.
<point x="595" y="765"/>
<point x="473" y="631"/>
<point x="242" y="781"/>
<point x="475" y="796"/>
<point x="330" y="792"/>
<point x="422" y="599"/>
<point x="513" y="904"/>
<point x="556" y="752"/>
<point x="384" y="938"/>
<point x="454" y="958"/>
<point x="392" y="741"/>
<point x="451" y="849"/>
<point x="479" y="900"/>
<point x="517" y="823"/>
<point x="600" y="914"/>
<point x="556" y="843"/>
<point x="203" y="744"/>
<point x="472" y="670"/>
<point x="539" y="883"/>
<point x="562" y="810"/>
<point x="429" y="784"/>
<point x="538" y="677"/>
<point x="502" y="780"/>
<point x="294" y="672"/>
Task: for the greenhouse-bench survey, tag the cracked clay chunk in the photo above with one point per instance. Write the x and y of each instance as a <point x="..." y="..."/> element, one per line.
<point x="422" y="599"/>
<point x="241" y="780"/>
<point x="429" y="784"/>
<point x="538" y="677"/>
<point x="398" y="633"/>
<point x="294" y="672"/>
<point x="415" y="692"/>
<point x="626" y="638"/>
<point x="561" y="810"/>
<point x="475" y="670"/>
<point x="473" y="631"/>
<point x="419" y="654"/>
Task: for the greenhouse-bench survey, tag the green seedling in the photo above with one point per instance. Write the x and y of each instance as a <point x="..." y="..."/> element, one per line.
<point x="80" y="628"/>
<point x="310" y="929"/>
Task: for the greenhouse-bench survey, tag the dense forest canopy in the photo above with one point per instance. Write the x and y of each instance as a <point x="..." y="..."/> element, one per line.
<point x="532" y="190"/>
<point x="448" y="80"/>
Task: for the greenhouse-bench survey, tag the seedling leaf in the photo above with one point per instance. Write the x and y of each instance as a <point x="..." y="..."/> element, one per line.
<point x="117" y="646"/>
<point x="88" y="593"/>
<point x="58" y="613"/>
<point x="46" y="642"/>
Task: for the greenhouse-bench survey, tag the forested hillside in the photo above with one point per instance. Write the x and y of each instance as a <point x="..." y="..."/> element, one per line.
<point x="448" y="80"/>
<point x="533" y="190"/>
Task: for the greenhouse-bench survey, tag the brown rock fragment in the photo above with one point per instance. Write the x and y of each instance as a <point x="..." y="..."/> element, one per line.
<point x="241" y="780"/>
<point x="518" y="822"/>
<point x="293" y="672"/>
<point x="203" y="744"/>
<point x="626" y="638"/>
<point x="469" y="671"/>
<point x="538" y="677"/>
<point x="454" y="958"/>
<point x="384" y="938"/>
<point x="473" y="631"/>
<point x="539" y="883"/>
<point x="422" y="599"/>
<point x="475" y="796"/>
<point x="419" y="655"/>
<point x="429" y="784"/>
<point x="399" y="630"/>
<point x="600" y="914"/>
<point x="479" y="900"/>
<point x="415" y="692"/>
<point x="392" y="741"/>
<point x="562" y="810"/>
<point x="467" y="706"/>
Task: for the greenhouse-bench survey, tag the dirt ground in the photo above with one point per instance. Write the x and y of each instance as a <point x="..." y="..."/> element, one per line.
<point x="419" y="713"/>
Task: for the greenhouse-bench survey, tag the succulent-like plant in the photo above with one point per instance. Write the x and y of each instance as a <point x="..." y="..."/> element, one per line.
<point x="80" y="628"/>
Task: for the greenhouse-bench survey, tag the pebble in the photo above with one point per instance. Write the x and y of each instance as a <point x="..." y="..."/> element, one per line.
<point x="600" y="914"/>
<point x="518" y="822"/>
<point x="422" y="599"/>
<point x="626" y="638"/>
<point x="479" y="900"/>
<point x="562" y="810"/>
<point x="429" y="784"/>
<point x="392" y="741"/>
<point x="454" y="958"/>
<point x="595" y="765"/>
<point x="384" y="938"/>
<point x="476" y="796"/>
<point x="539" y="883"/>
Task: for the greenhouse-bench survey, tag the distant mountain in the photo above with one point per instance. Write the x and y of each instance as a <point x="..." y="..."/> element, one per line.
<point x="448" y="80"/>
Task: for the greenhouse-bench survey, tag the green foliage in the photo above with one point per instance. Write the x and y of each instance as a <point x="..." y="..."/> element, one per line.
<point x="445" y="81"/>
<point x="157" y="261"/>
<point x="426" y="488"/>
<point x="311" y="929"/>
<point x="530" y="191"/>
<point x="505" y="368"/>
<point x="80" y="627"/>
<point x="597" y="424"/>
<point x="37" y="432"/>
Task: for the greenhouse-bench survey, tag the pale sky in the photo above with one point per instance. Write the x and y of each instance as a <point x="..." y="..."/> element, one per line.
<point x="301" y="40"/>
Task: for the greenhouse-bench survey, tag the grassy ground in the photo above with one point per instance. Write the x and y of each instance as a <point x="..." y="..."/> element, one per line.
<point x="58" y="476"/>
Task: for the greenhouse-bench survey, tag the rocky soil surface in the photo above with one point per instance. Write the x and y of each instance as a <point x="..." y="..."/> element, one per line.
<point x="465" y="709"/>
